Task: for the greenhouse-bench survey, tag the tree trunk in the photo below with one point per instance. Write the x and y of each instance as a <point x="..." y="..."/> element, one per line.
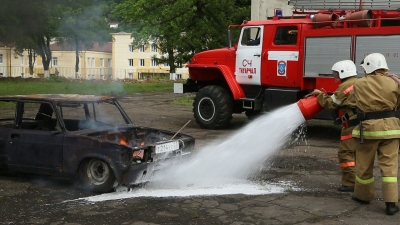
<point x="43" y="48"/>
<point x="76" y="57"/>
<point x="31" y="59"/>
<point x="171" y="63"/>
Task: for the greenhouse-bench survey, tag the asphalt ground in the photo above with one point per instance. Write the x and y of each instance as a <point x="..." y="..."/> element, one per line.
<point x="309" y="164"/>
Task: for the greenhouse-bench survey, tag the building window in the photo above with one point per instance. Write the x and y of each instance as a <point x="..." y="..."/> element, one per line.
<point x="102" y="62"/>
<point x="153" y="62"/>
<point x="109" y="63"/>
<point x="54" y="61"/>
<point x="93" y="63"/>
<point x="141" y="62"/>
<point x="153" y="48"/>
<point x="130" y="75"/>
<point x="102" y="77"/>
<point x="130" y="62"/>
<point x="179" y="76"/>
<point x="87" y="62"/>
<point x="166" y="64"/>
<point x="131" y="48"/>
<point x="141" y="49"/>
<point x="1" y="58"/>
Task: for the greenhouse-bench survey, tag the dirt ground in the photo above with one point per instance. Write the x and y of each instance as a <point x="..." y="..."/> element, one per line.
<point x="310" y="164"/>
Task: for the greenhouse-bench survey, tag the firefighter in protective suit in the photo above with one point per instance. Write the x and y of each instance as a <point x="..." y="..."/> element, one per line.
<point x="378" y="133"/>
<point x="343" y="100"/>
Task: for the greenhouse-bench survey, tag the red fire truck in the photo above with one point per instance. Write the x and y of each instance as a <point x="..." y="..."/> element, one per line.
<point x="279" y="60"/>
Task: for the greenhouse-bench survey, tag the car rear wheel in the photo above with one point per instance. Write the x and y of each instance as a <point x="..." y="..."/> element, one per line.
<point x="213" y="107"/>
<point x="97" y="175"/>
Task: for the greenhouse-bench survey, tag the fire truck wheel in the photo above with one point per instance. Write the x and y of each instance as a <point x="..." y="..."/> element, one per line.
<point x="96" y="175"/>
<point x="213" y="107"/>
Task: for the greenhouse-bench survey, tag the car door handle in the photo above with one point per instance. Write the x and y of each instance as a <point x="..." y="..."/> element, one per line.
<point x="258" y="55"/>
<point x="14" y="136"/>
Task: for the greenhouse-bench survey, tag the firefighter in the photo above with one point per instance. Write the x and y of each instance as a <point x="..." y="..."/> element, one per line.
<point x="342" y="99"/>
<point x="378" y="133"/>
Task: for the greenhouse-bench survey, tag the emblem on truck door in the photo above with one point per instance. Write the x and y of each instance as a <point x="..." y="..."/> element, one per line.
<point x="282" y="68"/>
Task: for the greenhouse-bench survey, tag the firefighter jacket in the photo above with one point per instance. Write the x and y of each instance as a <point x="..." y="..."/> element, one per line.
<point x="377" y="93"/>
<point x="343" y="100"/>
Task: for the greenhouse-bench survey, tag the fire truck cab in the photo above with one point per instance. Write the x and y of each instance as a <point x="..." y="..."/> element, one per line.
<point x="277" y="61"/>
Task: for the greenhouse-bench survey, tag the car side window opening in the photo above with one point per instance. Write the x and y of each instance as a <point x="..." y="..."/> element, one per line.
<point x="251" y="36"/>
<point x="37" y="116"/>
<point x="8" y="115"/>
<point x="286" y="35"/>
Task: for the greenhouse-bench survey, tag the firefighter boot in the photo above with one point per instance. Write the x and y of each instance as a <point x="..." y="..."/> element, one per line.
<point x="346" y="189"/>
<point x="354" y="198"/>
<point x="391" y="208"/>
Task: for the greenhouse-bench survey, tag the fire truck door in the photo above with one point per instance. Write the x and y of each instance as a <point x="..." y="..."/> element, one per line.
<point x="283" y="56"/>
<point x="248" y="56"/>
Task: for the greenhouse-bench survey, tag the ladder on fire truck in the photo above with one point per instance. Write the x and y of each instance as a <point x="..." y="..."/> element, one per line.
<point x="345" y="4"/>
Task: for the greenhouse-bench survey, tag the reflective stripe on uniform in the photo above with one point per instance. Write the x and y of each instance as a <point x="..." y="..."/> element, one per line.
<point x="377" y="133"/>
<point x="347" y="164"/>
<point x="346" y="137"/>
<point x="347" y="90"/>
<point x="364" y="181"/>
<point x="389" y="179"/>
<point x="333" y="97"/>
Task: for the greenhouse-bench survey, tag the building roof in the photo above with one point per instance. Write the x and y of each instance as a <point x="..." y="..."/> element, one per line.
<point x="106" y="47"/>
<point x="7" y="45"/>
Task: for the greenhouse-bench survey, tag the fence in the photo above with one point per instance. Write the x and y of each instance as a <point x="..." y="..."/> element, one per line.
<point x="90" y="73"/>
<point x="67" y="72"/>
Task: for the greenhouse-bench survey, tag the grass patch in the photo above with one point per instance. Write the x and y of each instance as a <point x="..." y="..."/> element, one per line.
<point x="186" y="99"/>
<point x="58" y="86"/>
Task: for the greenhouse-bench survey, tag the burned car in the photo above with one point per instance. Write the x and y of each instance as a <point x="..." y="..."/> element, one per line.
<point x="84" y="137"/>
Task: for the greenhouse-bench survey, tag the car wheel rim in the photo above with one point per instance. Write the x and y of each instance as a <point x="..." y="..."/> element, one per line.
<point x="206" y="109"/>
<point x="98" y="172"/>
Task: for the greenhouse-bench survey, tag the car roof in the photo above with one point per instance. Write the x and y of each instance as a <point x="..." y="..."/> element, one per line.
<point x="59" y="97"/>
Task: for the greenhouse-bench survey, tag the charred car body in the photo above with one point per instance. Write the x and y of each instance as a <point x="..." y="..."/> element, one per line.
<point x="83" y="137"/>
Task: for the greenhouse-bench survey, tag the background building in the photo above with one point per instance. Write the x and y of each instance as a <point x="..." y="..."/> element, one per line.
<point x="138" y="63"/>
<point x="262" y="9"/>
<point x="114" y="60"/>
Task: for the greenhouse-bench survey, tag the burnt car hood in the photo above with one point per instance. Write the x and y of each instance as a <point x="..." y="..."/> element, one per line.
<point x="131" y="135"/>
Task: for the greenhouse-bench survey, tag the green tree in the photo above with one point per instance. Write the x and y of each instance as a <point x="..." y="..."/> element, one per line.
<point x="82" y="25"/>
<point x="181" y="28"/>
<point x="30" y="25"/>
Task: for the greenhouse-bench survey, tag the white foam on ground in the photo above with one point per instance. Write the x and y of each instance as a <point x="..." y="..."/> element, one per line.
<point x="231" y="189"/>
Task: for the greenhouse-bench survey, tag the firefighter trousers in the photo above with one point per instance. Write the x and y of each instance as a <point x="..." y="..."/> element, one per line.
<point x="387" y="151"/>
<point x="347" y="161"/>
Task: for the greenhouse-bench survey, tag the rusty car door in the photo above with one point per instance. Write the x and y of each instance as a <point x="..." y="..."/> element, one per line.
<point x="7" y="122"/>
<point x="34" y="150"/>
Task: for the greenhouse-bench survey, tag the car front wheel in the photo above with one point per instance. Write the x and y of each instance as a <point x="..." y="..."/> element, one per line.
<point x="97" y="175"/>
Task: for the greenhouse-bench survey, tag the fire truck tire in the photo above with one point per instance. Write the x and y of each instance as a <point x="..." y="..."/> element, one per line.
<point x="96" y="175"/>
<point x="213" y="107"/>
